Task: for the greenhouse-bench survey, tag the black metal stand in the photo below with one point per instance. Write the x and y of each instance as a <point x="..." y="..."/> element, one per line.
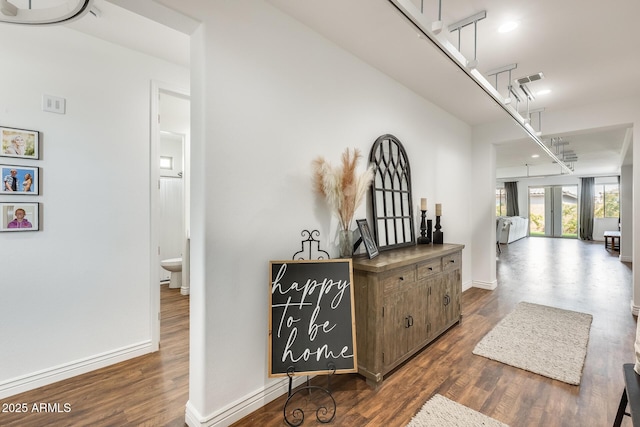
<point x="319" y="253"/>
<point x="324" y="412"/>
<point x="438" y="237"/>
<point x="424" y="238"/>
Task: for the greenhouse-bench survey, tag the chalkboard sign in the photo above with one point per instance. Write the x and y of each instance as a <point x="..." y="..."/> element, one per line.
<point x="311" y="319"/>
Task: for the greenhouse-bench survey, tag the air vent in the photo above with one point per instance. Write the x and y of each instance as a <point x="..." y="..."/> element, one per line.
<point x="529" y="79"/>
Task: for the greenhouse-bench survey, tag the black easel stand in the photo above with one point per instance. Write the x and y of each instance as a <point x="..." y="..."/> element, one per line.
<point x="322" y="412"/>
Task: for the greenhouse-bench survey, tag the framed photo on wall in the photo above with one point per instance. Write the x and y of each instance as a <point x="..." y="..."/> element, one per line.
<point x="367" y="238"/>
<point x="19" y="180"/>
<point x="20" y="143"/>
<point x="19" y="216"/>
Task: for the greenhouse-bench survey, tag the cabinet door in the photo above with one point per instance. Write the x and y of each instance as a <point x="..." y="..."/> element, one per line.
<point x="437" y="303"/>
<point x="419" y="330"/>
<point x="395" y="324"/>
<point x="453" y="281"/>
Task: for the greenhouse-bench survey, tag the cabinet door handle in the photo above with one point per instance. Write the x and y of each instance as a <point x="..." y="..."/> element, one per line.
<point x="406" y="322"/>
<point x="452" y="261"/>
<point x="401" y="278"/>
<point x="430" y="268"/>
<point x="410" y="320"/>
<point x="447" y="300"/>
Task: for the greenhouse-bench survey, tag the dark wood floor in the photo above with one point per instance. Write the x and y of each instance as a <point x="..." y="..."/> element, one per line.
<point x="152" y="390"/>
<point x="568" y="274"/>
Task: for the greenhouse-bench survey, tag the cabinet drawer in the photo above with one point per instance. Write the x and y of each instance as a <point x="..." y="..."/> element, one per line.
<point x="400" y="277"/>
<point x="452" y="262"/>
<point x="429" y="268"/>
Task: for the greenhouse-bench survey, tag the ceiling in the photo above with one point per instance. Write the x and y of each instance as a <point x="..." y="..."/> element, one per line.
<point x="588" y="51"/>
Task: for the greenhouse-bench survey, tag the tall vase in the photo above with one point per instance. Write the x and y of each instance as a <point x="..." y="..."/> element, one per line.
<point x="345" y="243"/>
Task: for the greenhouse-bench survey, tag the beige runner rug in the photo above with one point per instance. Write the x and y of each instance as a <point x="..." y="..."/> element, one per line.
<point x="442" y="412"/>
<point x="545" y="340"/>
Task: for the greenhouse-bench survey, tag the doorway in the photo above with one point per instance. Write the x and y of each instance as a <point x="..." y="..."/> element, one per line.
<point x="170" y="172"/>
<point x="553" y="211"/>
<point x="172" y="208"/>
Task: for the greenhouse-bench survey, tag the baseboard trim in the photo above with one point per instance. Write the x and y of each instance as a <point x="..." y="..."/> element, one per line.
<point x="467" y="286"/>
<point x="626" y="258"/>
<point x="490" y="286"/>
<point x="241" y="407"/>
<point x="635" y="310"/>
<point x="48" y="376"/>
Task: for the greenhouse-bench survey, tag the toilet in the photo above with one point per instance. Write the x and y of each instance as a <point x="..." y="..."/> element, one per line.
<point x="174" y="265"/>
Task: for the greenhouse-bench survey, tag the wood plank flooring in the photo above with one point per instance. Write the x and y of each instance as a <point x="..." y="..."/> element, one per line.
<point x="152" y="390"/>
<point x="569" y="274"/>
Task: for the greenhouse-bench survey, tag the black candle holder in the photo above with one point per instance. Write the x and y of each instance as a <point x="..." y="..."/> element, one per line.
<point x="438" y="237"/>
<point x="425" y="237"/>
<point x="429" y="228"/>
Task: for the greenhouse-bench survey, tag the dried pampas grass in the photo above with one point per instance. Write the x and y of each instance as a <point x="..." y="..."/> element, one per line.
<point x="341" y="186"/>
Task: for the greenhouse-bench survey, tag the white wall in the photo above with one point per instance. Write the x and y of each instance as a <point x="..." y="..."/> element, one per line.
<point x="273" y="96"/>
<point x="76" y="294"/>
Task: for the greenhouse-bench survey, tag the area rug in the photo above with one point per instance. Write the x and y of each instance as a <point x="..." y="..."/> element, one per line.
<point x="442" y="412"/>
<point x="545" y="340"/>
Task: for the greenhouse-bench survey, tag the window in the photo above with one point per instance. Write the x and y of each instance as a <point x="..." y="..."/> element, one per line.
<point x="501" y="202"/>
<point x="166" y="162"/>
<point x="606" y="203"/>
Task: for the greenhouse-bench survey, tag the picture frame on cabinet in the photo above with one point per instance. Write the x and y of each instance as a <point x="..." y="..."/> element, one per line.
<point x="19" y="143"/>
<point x="20" y="180"/>
<point x="367" y="238"/>
<point x="20" y="217"/>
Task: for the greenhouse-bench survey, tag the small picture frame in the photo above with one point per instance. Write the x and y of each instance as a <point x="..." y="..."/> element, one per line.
<point x="19" y="143"/>
<point x="367" y="238"/>
<point x="19" y="180"/>
<point x="20" y="216"/>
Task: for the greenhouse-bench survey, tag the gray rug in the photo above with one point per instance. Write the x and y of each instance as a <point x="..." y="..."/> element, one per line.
<point x="442" y="412"/>
<point x="545" y="340"/>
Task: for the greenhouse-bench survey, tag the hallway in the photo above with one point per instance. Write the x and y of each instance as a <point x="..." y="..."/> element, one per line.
<point x="564" y="273"/>
<point x="152" y="390"/>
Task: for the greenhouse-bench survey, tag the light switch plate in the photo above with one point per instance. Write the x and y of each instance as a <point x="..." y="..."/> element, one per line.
<point x="53" y="104"/>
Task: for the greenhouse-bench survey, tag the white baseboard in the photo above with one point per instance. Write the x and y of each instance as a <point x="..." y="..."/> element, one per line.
<point x="48" y="376"/>
<point x="466" y="286"/>
<point x="635" y="310"/>
<point x="241" y="407"/>
<point x="626" y="258"/>
<point x="485" y="285"/>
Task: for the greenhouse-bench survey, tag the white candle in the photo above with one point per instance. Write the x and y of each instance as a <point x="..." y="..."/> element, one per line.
<point x="423" y="204"/>
<point x="438" y="209"/>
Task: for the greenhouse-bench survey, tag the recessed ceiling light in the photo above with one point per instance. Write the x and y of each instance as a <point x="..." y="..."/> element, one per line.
<point x="535" y="156"/>
<point x="508" y="26"/>
<point x="543" y="92"/>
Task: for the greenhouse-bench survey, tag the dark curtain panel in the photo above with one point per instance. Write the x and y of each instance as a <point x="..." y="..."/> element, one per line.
<point x="512" y="198"/>
<point x="586" y="208"/>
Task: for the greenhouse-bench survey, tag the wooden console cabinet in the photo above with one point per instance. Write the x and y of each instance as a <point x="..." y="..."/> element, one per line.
<point x="404" y="299"/>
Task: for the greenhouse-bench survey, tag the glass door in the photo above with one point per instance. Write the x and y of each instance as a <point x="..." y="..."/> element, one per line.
<point x="553" y="211"/>
<point x="537" y="210"/>
<point x="570" y="211"/>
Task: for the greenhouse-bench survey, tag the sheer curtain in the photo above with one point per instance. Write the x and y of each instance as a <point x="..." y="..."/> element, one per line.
<point x="586" y="208"/>
<point x="512" y="198"/>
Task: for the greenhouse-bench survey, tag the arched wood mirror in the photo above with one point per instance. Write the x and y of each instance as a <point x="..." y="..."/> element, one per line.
<point x="391" y="194"/>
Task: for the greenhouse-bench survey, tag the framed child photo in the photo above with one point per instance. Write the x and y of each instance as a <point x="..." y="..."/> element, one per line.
<point x="19" y="216"/>
<point x="19" y="180"/>
<point x="20" y="143"/>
